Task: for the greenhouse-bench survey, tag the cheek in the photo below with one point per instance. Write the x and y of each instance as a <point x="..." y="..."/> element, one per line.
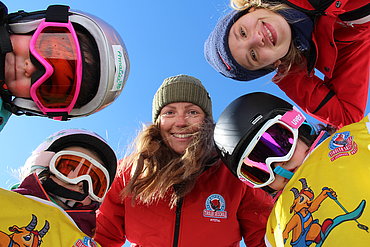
<point x="20" y="88"/>
<point x="21" y="44"/>
<point x="279" y="183"/>
<point x="164" y="125"/>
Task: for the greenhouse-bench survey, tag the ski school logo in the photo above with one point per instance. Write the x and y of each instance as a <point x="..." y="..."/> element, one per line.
<point x="215" y="207"/>
<point x="85" y="242"/>
<point x="342" y="144"/>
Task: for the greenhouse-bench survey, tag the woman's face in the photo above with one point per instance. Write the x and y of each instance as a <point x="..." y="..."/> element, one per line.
<point x="292" y="165"/>
<point x="259" y="39"/>
<point x="18" y="66"/>
<point x="77" y="187"/>
<point x="178" y="123"/>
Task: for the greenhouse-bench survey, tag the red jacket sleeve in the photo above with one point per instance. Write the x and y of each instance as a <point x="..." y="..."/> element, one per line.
<point x="348" y="85"/>
<point x="253" y="213"/>
<point x="110" y="229"/>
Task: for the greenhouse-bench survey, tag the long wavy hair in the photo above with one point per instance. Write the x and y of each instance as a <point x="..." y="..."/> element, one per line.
<point x="157" y="172"/>
<point x="294" y="56"/>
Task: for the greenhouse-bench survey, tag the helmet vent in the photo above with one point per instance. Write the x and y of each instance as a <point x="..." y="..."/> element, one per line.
<point x="256" y="118"/>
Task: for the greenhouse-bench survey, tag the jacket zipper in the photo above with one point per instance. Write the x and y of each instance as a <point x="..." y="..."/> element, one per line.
<point x="177" y="223"/>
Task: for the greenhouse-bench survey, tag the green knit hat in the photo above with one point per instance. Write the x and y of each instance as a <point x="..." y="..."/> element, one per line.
<point x="181" y="88"/>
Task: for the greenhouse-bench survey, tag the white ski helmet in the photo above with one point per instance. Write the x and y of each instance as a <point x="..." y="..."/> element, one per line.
<point x="75" y="137"/>
<point x="113" y="61"/>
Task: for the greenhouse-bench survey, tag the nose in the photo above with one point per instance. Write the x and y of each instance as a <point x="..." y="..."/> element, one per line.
<point x="257" y="39"/>
<point x="80" y="186"/>
<point x="181" y="120"/>
<point x="29" y="68"/>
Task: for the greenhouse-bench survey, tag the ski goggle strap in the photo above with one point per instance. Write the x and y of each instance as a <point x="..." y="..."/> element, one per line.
<point x="73" y="167"/>
<point x="274" y="142"/>
<point x="55" y="51"/>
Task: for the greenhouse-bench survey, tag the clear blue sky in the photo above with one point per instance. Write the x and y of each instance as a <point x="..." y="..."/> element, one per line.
<point x="163" y="38"/>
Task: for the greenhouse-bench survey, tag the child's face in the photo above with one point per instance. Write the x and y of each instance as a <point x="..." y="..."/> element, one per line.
<point x="18" y="66"/>
<point x="292" y="165"/>
<point x="77" y="187"/>
<point x="259" y="39"/>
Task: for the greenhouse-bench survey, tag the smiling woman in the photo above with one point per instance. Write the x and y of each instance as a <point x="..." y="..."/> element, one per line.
<point x="174" y="182"/>
<point x="179" y="122"/>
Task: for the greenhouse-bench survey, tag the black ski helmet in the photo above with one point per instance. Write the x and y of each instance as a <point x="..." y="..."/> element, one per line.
<point x="242" y="119"/>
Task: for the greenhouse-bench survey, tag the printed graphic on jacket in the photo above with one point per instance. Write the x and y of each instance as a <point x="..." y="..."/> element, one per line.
<point x="28" y="221"/>
<point x="342" y="144"/>
<point x="215" y="207"/>
<point x="304" y="228"/>
<point x="325" y="202"/>
<point x="25" y="235"/>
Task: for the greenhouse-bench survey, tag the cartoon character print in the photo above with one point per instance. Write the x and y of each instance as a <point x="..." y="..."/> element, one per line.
<point x="24" y="236"/>
<point x="304" y="229"/>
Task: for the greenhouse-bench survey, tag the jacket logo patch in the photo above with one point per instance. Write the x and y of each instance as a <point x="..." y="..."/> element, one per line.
<point x="85" y="242"/>
<point x="215" y="207"/>
<point x="342" y="144"/>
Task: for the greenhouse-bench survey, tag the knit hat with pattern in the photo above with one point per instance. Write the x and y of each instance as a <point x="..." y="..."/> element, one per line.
<point x="181" y="88"/>
<point x="218" y="54"/>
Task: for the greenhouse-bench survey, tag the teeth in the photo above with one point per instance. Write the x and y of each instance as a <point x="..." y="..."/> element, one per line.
<point x="269" y="35"/>
<point x="182" y="135"/>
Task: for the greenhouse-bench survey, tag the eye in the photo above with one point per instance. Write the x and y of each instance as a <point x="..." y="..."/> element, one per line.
<point x="301" y="199"/>
<point x="253" y="55"/>
<point x="243" y="33"/>
<point x="27" y="237"/>
<point x="168" y="113"/>
<point x="193" y="113"/>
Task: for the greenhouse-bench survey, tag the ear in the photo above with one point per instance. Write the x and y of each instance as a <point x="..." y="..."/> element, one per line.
<point x="251" y="9"/>
<point x="276" y="63"/>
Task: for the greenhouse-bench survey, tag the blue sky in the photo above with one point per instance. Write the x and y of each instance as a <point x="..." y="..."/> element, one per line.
<point x="163" y="38"/>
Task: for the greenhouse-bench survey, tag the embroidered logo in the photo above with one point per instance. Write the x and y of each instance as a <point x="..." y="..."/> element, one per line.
<point x="342" y="144"/>
<point x="85" y="242"/>
<point x="215" y="207"/>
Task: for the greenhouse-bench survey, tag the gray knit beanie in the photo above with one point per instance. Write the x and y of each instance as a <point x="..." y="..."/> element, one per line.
<point x="181" y="88"/>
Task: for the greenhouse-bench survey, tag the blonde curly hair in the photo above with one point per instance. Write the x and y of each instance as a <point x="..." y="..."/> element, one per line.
<point x="156" y="169"/>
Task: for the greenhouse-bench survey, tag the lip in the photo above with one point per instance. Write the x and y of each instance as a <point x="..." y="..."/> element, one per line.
<point x="182" y="135"/>
<point x="269" y="33"/>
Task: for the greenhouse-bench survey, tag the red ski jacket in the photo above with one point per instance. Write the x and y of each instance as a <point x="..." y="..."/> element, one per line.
<point x="342" y="56"/>
<point x="219" y="211"/>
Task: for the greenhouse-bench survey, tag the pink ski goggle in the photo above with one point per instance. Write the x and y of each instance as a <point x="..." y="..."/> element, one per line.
<point x="274" y="142"/>
<point x="55" y="50"/>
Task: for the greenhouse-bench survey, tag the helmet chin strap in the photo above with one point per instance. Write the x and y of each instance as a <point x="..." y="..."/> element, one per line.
<point x="58" y="190"/>
<point x="283" y="172"/>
